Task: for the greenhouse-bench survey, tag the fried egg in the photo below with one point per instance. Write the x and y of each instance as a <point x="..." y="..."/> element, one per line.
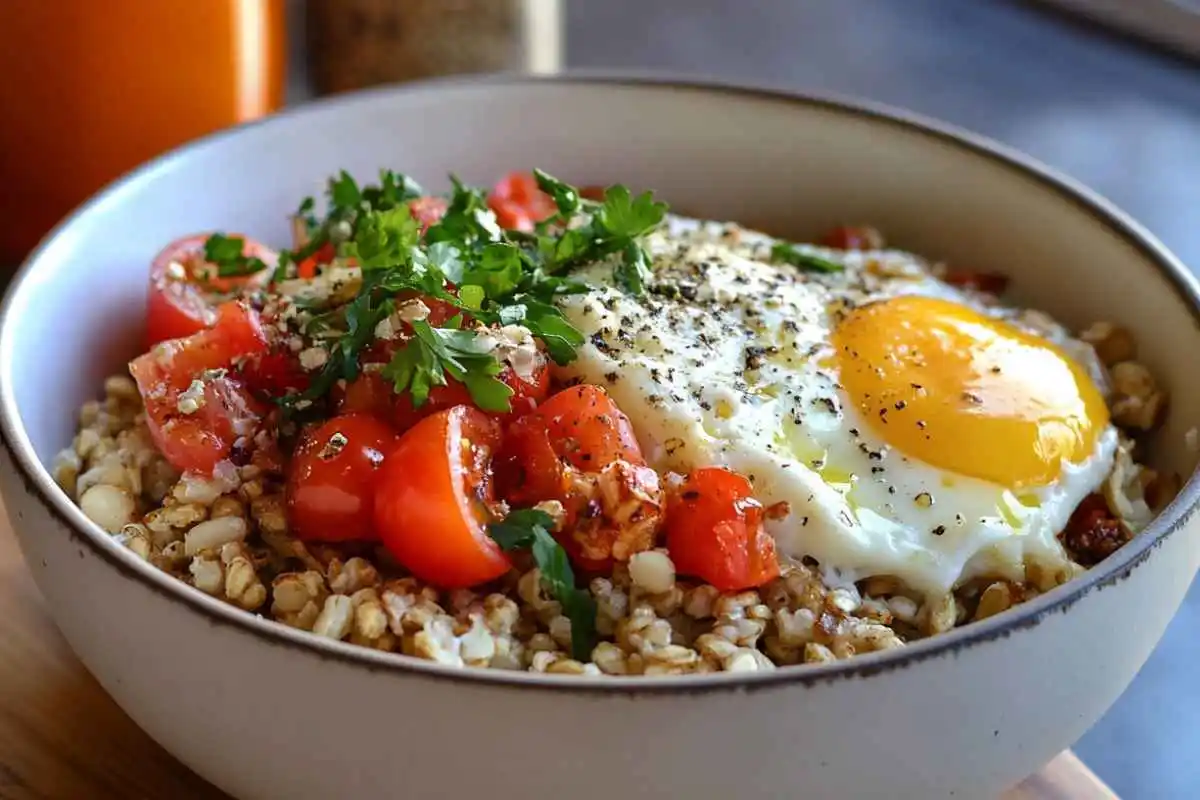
<point x="902" y="427"/>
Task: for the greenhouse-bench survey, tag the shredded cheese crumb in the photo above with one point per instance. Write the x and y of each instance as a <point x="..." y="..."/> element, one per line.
<point x="514" y="345"/>
<point x="191" y="399"/>
<point x="386" y="329"/>
<point x="412" y="310"/>
<point x="313" y="358"/>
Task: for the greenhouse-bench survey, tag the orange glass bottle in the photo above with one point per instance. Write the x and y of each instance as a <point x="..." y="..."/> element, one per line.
<point x="91" y="88"/>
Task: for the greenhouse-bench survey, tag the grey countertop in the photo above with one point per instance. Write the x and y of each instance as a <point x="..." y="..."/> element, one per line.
<point x="1123" y="119"/>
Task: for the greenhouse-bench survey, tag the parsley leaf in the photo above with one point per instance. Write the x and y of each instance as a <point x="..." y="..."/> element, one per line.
<point x="790" y="254"/>
<point x="467" y="219"/>
<point x="226" y="253"/>
<point x="394" y="189"/>
<point x="434" y="353"/>
<point x="473" y="296"/>
<point x="498" y="270"/>
<point x="385" y="238"/>
<point x="282" y="267"/>
<point x="446" y="258"/>
<point x="633" y="270"/>
<point x="614" y="229"/>
<point x="530" y="528"/>
<point x="565" y="196"/>
<point x="344" y="194"/>
<point x="546" y="322"/>
<point x="622" y="216"/>
<point x="305" y="213"/>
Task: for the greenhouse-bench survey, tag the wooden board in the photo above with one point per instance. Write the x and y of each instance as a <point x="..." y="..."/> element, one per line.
<point x="62" y="737"/>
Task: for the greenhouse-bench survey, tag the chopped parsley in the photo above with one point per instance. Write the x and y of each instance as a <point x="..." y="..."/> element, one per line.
<point x="790" y="254"/>
<point x="226" y="252"/>
<point x="614" y="228"/>
<point x="433" y="353"/>
<point x="530" y="528"/>
<point x="464" y="260"/>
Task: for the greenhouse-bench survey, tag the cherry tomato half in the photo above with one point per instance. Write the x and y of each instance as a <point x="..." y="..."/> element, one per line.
<point x="180" y="297"/>
<point x="715" y="531"/>
<point x="433" y="499"/>
<point x="331" y="479"/>
<point x="580" y="426"/>
<point x="274" y="373"/>
<point x="518" y="202"/>
<point x="194" y="429"/>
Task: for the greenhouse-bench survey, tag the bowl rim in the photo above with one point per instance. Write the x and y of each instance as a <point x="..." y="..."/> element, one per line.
<point x="40" y="484"/>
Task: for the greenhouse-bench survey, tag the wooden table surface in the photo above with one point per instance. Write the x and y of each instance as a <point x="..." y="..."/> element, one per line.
<point x="62" y="738"/>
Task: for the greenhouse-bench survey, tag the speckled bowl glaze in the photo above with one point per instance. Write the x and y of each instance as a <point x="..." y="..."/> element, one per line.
<point x="266" y="712"/>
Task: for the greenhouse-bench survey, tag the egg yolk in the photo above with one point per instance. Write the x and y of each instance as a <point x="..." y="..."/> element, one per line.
<point x="967" y="393"/>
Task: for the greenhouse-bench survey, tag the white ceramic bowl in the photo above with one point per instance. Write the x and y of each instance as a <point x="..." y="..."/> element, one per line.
<point x="266" y="712"/>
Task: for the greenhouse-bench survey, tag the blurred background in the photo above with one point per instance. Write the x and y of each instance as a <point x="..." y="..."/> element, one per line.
<point x="1107" y="91"/>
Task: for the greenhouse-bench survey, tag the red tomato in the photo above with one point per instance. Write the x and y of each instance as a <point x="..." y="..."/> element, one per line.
<point x="177" y="304"/>
<point x="370" y="392"/>
<point x="580" y="426"/>
<point x="307" y="268"/>
<point x="433" y="500"/>
<point x="223" y="412"/>
<point x="528" y="394"/>
<point x="404" y="415"/>
<point x="331" y="479"/>
<point x="273" y="374"/>
<point x="853" y="237"/>
<point x="990" y="282"/>
<point x="518" y="202"/>
<point x="427" y="210"/>
<point x="715" y="531"/>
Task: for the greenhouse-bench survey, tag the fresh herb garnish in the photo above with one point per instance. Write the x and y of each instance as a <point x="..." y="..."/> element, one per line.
<point x="633" y="270"/>
<point x="384" y="239"/>
<point x="614" y="229"/>
<point x="394" y="189"/>
<point x="344" y="194"/>
<point x="530" y="528"/>
<point x="626" y="217"/>
<point x="305" y="213"/>
<point x="433" y="353"/>
<point x="226" y="253"/>
<point x="468" y="220"/>
<point x="565" y="196"/>
<point x="790" y="254"/>
<point x="497" y="270"/>
<point x="465" y="260"/>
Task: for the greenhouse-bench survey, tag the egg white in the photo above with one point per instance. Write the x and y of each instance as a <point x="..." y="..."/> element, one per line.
<point x="727" y="365"/>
